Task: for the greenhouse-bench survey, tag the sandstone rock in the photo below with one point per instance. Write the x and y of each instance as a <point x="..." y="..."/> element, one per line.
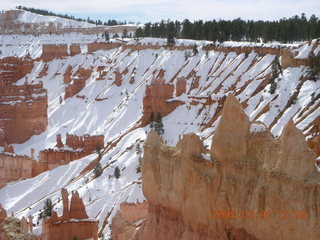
<point x="73" y="223"/>
<point x="270" y="186"/>
<point x="231" y="136"/>
<point x="75" y="49"/>
<point x="77" y="208"/>
<point x="126" y="222"/>
<point x="8" y="148"/>
<point x="14" y="167"/>
<point x="59" y="142"/>
<point x="156" y="98"/>
<point x="51" y="51"/>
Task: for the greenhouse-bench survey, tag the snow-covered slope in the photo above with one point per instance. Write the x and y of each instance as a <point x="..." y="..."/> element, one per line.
<point x="29" y="17"/>
<point x="116" y="111"/>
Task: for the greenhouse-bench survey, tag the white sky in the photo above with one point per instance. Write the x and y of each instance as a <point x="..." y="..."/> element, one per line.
<point x="155" y="10"/>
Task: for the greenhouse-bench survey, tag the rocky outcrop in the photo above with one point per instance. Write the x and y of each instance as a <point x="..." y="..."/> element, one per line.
<point x="51" y="51"/>
<point x="73" y="223"/>
<point x="23" y="108"/>
<point x="92" y="47"/>
<point x="23" y="112"/>
<point x="14" y="228"/>
<point x="76" y="82"/>
<point x="156" y="100"/>
<point x="3" y="215"/>
<point x="75" y="49"/>
<point x="13" y="69"/>
<point x="248" y="186"/>
<point x="14" y="167"/>
<point x="128" y="219"/>
<point x="86" y="142"/>
<point x="82" y="146"/>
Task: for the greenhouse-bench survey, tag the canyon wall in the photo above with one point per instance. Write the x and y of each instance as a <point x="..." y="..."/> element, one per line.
<point x="23" y="108"/>
<point x="155" y="99"/>
<point x="128" y="220"/>
<point x="73" y="223"/>
<point x="14" y="167"/>
<point x="249" y="185"/>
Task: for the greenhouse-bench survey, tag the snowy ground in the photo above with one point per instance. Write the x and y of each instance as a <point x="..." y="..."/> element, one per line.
<point x="117" y="117"/>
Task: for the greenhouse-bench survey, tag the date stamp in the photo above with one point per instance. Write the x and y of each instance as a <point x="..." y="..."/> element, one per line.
<point x="261" y="215"/>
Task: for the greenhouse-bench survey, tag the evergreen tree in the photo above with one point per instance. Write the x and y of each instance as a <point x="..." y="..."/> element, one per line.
<point x="97" y="171"/>
<point x="117" y="172"/>
<point x="313" y="67"/>
<point x="158" y="126"/>
<point x="139" y="33"/>
<point x="151" y="120"/>
<point x="106" y="35"/>
<point x="75" y="238"/>
<point x="116" y="35"/>
<point x="195" y="50"/>
<point x="125" y="33"/>
<point x="47" y="209"/>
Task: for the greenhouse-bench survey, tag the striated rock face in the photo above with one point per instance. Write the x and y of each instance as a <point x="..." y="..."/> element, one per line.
<point x="51" y="51"/>
<point x="14" y="167"/>
<point x="127" y="221"/>
<point x="13" y="69"/>
<point x="23" y="112"/>
<point x="252" y="186"/>
<point x="75" y="49"/>
<point x="52" y="158"/>
<point x="156" y="98"/>
<point x="73" y="223"/>
<point x="92" y="47"/>
<point x="3" y="215"/>
<point x="76" y="82"/>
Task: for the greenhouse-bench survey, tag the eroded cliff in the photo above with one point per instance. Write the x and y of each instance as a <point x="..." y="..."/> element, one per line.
<point x="248" y="186"/>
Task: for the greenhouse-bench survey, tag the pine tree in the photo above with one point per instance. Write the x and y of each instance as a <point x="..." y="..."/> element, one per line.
<point x="47" y="209"/>
<point x="117" y="172"/>
<point x="97" y="171"/>
<point x="158" y="125"/>
<point x="106" y="35"/>
<point x="313" y="67"/>
<point x="125" y="33"/>
<point x="195" y="50"/>
<point x="151" y="120"/>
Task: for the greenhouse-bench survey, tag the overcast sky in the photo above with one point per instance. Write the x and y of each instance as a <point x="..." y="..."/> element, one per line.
<point x="155" y="10"/>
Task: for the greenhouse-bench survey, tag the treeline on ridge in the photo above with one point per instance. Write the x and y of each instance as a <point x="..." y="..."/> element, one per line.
<point x="44" y="12"/>
<point x="284" y="30"/>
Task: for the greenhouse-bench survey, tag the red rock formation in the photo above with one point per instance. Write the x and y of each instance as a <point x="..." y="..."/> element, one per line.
<point x="14" y="167"/>
<point x="44" y="71"/>
<point x="3" y="215"/>
<point x="77" y="208"/>
<point x="181" y="86"/>
<point x="118" y="78"/>
<point x="23" y="109"/>
<point x="78" y="81"/>
<point x="86" y="142"/>
<point x="252" y="186"/>
<point x="13" y="69"/>
<point x="156" y="98"/>
<point x="67" y="75"/>
<point x="74" y="222"/>
<point x="51" y="51"/>
<point x="8" y="148"/>
<point x="75" y="49"/>
<point x="126" y="222"/>
<point x="92" y="47"/>
<point x="23" y="112"/>
<point x="52" y="158"/>
<point x="59" y="141"/>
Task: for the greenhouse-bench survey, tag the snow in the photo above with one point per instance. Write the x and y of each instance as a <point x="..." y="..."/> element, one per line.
<point x="118" y="116"/>
<point x="257" y="127"/>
